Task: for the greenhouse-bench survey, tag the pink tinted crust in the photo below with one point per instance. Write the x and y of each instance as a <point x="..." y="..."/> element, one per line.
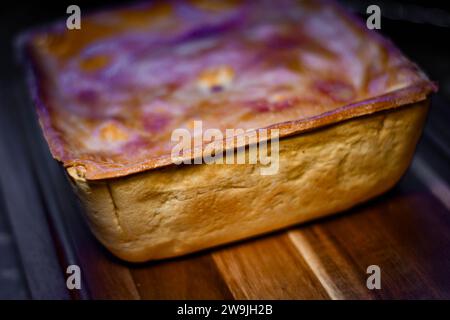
<point x="110" y="95"/>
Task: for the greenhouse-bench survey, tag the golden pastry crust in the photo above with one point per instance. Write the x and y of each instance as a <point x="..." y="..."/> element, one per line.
<point x="172" y="211"/>
<point x="110" y="95"/>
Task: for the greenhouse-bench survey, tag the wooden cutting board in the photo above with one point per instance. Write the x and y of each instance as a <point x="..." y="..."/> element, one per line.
<point x="405" y="233"/>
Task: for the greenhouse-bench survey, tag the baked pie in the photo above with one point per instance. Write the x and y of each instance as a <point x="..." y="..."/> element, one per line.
<point x="349" y="109"/>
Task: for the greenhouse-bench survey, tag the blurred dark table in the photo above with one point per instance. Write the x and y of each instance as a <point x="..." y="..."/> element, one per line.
<point x="406" y="231"/>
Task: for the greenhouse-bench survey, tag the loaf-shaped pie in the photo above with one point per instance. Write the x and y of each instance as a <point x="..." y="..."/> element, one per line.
<point x="338" y="107"/>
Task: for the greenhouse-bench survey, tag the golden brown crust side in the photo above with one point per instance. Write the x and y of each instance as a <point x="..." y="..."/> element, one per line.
<point x="110" y="95"/>
<point x="176" y="210"/>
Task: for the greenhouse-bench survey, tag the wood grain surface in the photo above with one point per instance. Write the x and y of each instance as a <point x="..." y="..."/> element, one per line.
<point x="406" y="233"/>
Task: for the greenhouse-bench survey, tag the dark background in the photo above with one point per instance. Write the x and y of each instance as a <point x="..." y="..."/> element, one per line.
<point x="420" y="28"/>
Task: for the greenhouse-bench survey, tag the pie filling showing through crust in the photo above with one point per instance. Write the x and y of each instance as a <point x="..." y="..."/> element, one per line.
<point x="110" y="95"/>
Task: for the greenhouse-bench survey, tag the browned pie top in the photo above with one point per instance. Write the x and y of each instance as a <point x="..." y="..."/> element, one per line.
<point x="110" y="95"/>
